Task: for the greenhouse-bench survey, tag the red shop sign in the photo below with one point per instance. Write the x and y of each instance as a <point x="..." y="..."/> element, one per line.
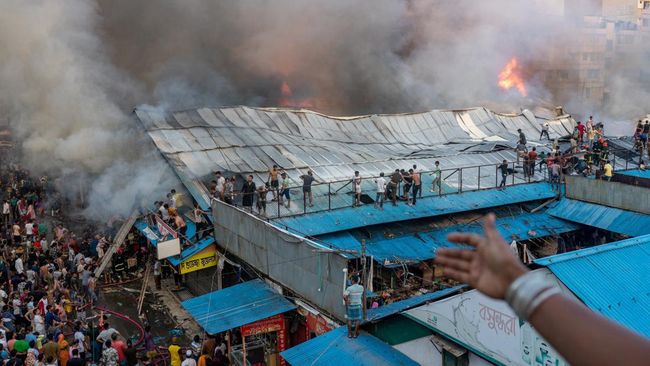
<point x="268" y="325"/>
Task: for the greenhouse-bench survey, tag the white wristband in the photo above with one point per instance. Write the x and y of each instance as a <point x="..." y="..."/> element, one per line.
<point x="527" y="292"/>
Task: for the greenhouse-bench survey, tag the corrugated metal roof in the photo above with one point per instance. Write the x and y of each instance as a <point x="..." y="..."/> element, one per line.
<point x="335" y="348"/>
<point x="613" y="279"/>
<point x="235" y="306"/>
<point x="243" y="140"/>
<point x="603" y="217"/>
<point x="349" y="218"/>
<point x="399" y="306"/>
<point x="422" y="245"/>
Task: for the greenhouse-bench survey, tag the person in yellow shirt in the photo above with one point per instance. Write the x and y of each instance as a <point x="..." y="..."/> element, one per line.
<point x="174" y="352"/>
<point x="608" y="171"/>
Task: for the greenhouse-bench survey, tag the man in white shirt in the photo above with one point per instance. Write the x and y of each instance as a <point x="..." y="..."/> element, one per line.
<point x="6" y="210"/>
<point x="221" y="182"/>
<point x="353" y="296"/>
<point x="18" y="264"/>
<point x="381" y="191"/>
<point x="29" y="229"/>
<point x="188" y="361"/>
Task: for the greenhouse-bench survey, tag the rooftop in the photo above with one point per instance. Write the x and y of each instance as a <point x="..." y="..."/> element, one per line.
<point x="612" y="279"/>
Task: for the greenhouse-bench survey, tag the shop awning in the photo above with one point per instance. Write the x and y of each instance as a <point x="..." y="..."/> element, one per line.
<point x="335" y="348"/>
<point x="237" y="305"/>
<point x="603" y="217"/>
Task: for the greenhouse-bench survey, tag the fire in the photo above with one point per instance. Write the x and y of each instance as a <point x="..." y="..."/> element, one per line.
<point x="288" y="100"/>
<point x="510" y="77"/>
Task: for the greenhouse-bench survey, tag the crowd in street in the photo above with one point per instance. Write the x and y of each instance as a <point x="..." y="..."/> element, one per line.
<point x="48" y="285"/>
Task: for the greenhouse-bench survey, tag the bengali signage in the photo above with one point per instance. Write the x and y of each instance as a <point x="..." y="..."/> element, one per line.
<point x="206" y="258"/>
<point x="489" y="327"/>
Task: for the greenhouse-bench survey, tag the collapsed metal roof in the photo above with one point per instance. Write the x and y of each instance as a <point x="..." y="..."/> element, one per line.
<point x="243" y="140"/>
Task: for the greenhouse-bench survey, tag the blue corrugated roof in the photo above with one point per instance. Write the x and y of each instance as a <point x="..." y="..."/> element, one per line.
<point x="613" y="279"/>
<point x="603" y="217"/>
<point x="320" y="223"/>
<point x="422" y="245"/>
<point x="185" y="253"/>
<point x="335" y="348"/>
<point x="399" y="306"/>
<point x="635" y="173"/>
<point x="235" y="306"/>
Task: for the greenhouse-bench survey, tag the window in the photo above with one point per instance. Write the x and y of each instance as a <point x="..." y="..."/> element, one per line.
<point x="610" y="45"/>
<point x="593" y="74"/>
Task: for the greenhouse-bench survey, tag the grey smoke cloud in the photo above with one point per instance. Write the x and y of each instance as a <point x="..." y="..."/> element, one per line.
<point x="72" y="70"/>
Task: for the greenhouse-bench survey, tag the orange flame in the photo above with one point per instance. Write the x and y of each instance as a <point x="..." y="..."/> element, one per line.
<point x="510" y="77"/>
<point x="288" y="100"/>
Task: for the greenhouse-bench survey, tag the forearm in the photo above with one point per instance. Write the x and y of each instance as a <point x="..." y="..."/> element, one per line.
<point x="585" y="338"/>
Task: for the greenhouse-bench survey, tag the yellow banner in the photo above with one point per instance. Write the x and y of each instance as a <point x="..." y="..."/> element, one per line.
<point x="204" y="259"/>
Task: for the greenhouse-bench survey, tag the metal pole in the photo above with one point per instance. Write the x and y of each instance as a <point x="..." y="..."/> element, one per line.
<point x="243" y="348"/>
<point x="496" y="176"/>
<point x="278" y="201"/>
<point x="479" y="177"/>
<point x="460" y="180"/>
<point x="513" y="173"/>
<point x="363" y="276"/>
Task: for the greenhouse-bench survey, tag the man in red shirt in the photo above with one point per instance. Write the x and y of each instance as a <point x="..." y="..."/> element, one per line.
<point x="119" y="346"/>
<point x="581" y="131"/>
<point x="532" y="160"/>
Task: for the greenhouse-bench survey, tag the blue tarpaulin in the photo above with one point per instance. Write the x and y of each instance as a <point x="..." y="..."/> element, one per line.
<point x="612" y="279"/>
<point x="635" y="173"/>
<point x="235" y="306"/>
<point x="320" y="223"/>
<point x="603" y="217"/>
<point x="422" y="245"/>
<point x="335" y="348"/>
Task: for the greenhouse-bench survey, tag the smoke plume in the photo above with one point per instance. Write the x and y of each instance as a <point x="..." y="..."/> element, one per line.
<point x="73" y="70"/>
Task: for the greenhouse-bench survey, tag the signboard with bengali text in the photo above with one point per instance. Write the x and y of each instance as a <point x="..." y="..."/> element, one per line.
<point x="206" y="258"/>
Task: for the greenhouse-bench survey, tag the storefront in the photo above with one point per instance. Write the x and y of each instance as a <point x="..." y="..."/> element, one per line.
<point x="254" y="313"/>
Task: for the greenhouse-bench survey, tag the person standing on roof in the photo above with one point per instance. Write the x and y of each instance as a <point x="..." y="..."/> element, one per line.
<point x="307" y="180"/>
<point x="503" y="167"/>
<point x="417" y="184"/>
<point x="436" y="186"/>
<point x="545" y="128"/>
<point x="522" y="137"/>
<point x="521" y="150"/>
<point x="285" y="193"/>
<point x="381" y="191"/>
<point x="356" y="184"/>
<point x="555" y="174"/>
<point x="393" y="186"/>
<point x="408" y="183"/>
<point x="581" y="132"/>
<point x="608" y="171"/>
<point x="353" y="296"/>
<point x="262" y="192"/>
<point x="248" y="193"/>
<point x="219" y="188"/>
<point x="273" y="181"/>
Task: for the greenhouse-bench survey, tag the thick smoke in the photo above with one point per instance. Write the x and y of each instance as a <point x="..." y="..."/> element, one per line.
<point x="67" y="105"/>
<point x="72" y="70"/>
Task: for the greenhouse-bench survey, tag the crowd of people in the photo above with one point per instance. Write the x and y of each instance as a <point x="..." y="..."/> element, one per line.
<point x="48" y="285"/>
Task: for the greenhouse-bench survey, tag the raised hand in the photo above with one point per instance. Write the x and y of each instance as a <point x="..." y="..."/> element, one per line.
<point x="490" y="267"/>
